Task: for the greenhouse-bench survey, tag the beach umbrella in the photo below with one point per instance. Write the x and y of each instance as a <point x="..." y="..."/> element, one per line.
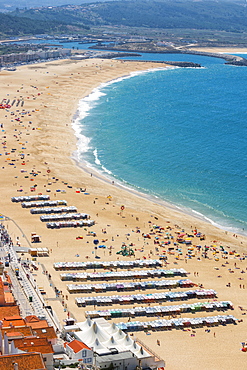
<point x="96" y="241"/>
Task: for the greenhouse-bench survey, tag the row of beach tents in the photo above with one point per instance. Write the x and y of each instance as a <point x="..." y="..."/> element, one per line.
<point x="123" y="275"/>
<point x="161" y="310"/>
<point x="146" y="298"/>
<point x="55" y="217"/>
<point x="178" y="323"/>
<point x="49" y="210"/>
<point x="76" y="265"/>
<point x="29" y="198"/>
<point x="104" y="287"/>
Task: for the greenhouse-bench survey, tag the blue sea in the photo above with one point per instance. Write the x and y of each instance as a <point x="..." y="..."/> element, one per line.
<point x="177" y="135"/>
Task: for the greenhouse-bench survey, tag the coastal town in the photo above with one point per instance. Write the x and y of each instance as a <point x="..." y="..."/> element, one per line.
<point x="31" y="331"/>
<point x="92" y="275"/>
<point x="30" y="51"/>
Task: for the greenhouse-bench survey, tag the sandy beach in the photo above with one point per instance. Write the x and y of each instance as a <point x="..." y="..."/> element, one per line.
<point x="38" y="143"/>
<point x="230" y="50"/>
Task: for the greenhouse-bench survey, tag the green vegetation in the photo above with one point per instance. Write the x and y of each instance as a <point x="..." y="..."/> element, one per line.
<point x="178" y="21"/>
<point x="167" y="14"/>
<point x="9" y="49"/>
<point x="18" y="26"/>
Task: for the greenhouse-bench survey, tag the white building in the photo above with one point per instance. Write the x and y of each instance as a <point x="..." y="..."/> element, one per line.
<point x="79" y="351"/>
<point x="112" y="346"/>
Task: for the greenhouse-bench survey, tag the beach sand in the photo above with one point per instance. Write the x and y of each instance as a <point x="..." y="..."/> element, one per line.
<point x="36" y="153"/>
<point x="216" y="49"/>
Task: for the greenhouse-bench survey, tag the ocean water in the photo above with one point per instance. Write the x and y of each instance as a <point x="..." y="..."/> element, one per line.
<point x="176" y="134"/>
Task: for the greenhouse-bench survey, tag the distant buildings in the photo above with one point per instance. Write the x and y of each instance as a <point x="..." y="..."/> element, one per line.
<point x="33" y="56"/>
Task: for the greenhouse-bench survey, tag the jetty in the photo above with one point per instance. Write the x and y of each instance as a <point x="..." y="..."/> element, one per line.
<point x="121" y="52"/>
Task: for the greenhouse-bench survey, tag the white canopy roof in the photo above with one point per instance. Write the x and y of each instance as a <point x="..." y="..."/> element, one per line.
<point x="99" y="347"/>
<point x="93" y="332"/>
<point x="126" y="341"/>
<point x="119" y="334"/>
<point x="103" y="337"/>
<point x="141" y="353"/>
<point x="85" y="324"/>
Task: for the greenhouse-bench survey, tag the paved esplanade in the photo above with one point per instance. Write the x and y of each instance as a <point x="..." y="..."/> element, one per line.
<point x="23" y="285"/>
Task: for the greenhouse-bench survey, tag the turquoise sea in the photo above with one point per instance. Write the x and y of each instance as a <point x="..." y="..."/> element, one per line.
<point x="177" y="135"/>
<point x="174" y="134"/>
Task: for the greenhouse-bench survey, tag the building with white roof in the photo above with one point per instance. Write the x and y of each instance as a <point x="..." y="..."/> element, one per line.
<point x="112" y="345"/>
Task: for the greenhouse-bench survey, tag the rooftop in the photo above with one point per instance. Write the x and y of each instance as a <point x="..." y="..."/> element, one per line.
<point x="9" y="311"/>
<point x="25" y="330"/>
<point x="34" y="344"/>
<point x="48" y="332"/>
<point x="16" y="320"/>
<point x="30" y="361"/>
<point x="77" y="346"/>
<point x="35" y="322"/>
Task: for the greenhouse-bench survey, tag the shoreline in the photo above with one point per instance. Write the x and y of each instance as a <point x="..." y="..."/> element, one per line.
<point x="51" y="93"/>
<point x="109" y="178"/>
<point x="89" y="168"/>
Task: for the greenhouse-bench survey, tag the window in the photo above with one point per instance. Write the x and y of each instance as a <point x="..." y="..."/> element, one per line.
<point x="84" y="353"/>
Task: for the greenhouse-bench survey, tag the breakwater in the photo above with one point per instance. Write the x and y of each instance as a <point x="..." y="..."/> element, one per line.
<point x="230" y="59"/>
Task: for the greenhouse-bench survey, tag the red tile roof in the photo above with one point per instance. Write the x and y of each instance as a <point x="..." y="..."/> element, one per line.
<point x="25" y="330"/>
<point x="77" y="346"/>
<point x="25" y="361"/>
<point x="13" y="321"/>
<point x="48" y="333"/>
<point x="14" y="334"/>
<point x="34" y="345"/>
<point x="31" y="318"/>
<point x="34" y="322"/>
<point x="28" y="331"/>
<point x="9" y="298"/>
<point x="10" y="311"/>
<point x="12" y="317"/>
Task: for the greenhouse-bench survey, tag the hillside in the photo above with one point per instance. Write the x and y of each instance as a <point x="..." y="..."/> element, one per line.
<point x="27" y="4"/>
<point x="17" y="26"/>
<point x="208" y="15"/>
